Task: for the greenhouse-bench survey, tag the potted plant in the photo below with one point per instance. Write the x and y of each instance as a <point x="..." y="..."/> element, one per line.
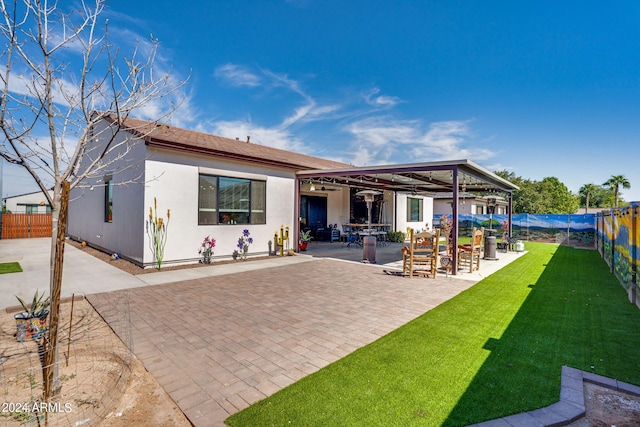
<point x="32" y="322"/>
<point x="305" y="236"/>
<point x="206" y="249"/>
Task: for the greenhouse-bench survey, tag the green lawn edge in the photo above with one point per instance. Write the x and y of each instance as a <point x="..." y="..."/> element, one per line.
<point x="494" y="350"/>
<point x="10" y="267"/>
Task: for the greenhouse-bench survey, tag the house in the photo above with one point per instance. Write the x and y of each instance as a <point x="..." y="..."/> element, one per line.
<point x="213" y="186"/>
<point x="469" y="204"/>
<point x="29" y="203"/>
<point x="219" y="187"/>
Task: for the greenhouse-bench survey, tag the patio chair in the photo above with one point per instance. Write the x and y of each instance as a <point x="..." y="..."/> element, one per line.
<point x="351" y="236"/>
<point x="472" y="252"/>
<point x="381" y="235"/>
<point x="421" y="257"/>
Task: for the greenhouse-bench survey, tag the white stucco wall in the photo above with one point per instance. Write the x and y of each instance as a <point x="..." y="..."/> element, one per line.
<point x="466" y="206"/>
<point x="401" y="213"/>
<point x="86" y="208"/>
<point x="173" y="179"/>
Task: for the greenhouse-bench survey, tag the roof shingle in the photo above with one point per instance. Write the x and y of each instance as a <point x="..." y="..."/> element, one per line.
<point x="171" y="137"/>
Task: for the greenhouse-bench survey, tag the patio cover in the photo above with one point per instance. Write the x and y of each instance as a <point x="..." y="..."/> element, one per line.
<point x="418" y="178"/>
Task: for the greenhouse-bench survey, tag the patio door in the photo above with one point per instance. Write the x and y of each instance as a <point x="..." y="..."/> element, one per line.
<point x="313" y="212"/>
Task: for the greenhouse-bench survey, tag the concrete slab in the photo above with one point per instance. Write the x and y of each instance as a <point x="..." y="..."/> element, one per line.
<point x="82" y="273"/>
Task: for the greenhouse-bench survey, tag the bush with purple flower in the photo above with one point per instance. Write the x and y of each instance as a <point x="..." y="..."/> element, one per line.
<point x="243" y="245"/>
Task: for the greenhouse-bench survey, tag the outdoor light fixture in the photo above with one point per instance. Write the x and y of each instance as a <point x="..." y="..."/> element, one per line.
<point x="491" y="207"/>
<point x="491" y="204"/>
<point x="312" y="187"/>
<point x="368" y="195"/>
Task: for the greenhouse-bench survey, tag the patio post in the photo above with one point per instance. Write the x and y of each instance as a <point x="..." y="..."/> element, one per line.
<point x="296" y="217"/>
<point x="454" y="221"/>
<point x="510" y="213"/>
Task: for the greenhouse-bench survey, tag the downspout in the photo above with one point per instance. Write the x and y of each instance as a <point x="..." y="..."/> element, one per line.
<point x="454" y="221"/>
<point x="296" y="217"/>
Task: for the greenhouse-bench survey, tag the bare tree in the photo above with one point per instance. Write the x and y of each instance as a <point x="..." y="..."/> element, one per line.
<point x="61" y="76"/>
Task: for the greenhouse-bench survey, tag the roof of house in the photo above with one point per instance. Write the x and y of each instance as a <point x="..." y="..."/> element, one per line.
<point x="26" y="194"/>
<point x="165" y="136"/>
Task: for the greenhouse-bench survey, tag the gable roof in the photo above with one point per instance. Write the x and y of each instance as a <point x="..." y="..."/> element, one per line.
<point x="161" y="135"/>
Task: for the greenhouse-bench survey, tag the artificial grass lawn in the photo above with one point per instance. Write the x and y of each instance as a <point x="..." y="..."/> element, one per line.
<point x="494" y="350"/>
<point x="10" y="267"/>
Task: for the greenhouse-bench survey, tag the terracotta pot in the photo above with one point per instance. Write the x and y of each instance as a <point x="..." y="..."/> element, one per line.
<point x="303" y="246"/>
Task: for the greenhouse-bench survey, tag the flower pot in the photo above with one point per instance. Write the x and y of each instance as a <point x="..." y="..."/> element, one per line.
<point x="303" y="246"/>
<point x="30" y="327"/>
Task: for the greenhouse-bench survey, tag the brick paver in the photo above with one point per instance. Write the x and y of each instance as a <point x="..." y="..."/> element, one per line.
<point x="220" y="344"/>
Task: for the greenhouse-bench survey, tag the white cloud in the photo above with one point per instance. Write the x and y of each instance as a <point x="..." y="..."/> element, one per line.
<point x="380" y="131"/>
<point x="386" y="139"/>
<point x="381" y="101"/>
<point x="236" y="75"/>
<point x="375" y="139"/>
<point x="272" y="137"/>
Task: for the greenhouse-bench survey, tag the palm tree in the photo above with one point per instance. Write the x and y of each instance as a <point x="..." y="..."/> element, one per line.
<point x="587" y="190"/>
<point x="615" y="182"/>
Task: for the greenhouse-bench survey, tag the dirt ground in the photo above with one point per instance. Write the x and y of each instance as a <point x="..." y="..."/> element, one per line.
<point x="130" y="268"/>
<point x="607" y="408"/>
<point x="103" y="384"/>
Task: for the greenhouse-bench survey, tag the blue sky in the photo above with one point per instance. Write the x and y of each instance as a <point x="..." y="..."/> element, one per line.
<point x="537" y="88"/>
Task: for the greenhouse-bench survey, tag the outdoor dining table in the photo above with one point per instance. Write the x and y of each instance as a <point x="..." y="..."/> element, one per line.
<point x="368" y="229"/>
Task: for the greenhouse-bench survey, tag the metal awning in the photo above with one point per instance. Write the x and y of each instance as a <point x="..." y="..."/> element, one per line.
<point x="428" y="179"/>
<point x="417" y="178"/>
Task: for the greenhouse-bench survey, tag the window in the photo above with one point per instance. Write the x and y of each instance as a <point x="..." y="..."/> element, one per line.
<point x="479" y="209"/>
<point x="208" y="200"/>
<point x="258" y="202"/>
<point x="108" y="199"/>
<point x="414" y="209"/>
<point x="226" y="200"/>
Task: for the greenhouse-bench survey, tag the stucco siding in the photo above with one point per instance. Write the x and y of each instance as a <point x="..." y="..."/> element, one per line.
<point x="401" y="212"/>
<point x="172" y="178"/>
<point x="123" y="235"/>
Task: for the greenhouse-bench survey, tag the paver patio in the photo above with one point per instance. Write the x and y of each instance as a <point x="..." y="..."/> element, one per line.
<point x="220" y="344"/>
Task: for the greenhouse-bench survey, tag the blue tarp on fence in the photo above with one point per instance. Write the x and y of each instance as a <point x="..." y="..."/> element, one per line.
<point x="528" y="224"/>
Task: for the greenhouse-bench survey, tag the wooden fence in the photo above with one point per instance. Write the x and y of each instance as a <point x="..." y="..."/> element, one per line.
<point x="21" y="226"/>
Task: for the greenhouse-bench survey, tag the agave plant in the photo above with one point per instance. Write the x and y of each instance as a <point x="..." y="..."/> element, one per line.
<point x="37" y="306"/>
<point x="305" y="236"/>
